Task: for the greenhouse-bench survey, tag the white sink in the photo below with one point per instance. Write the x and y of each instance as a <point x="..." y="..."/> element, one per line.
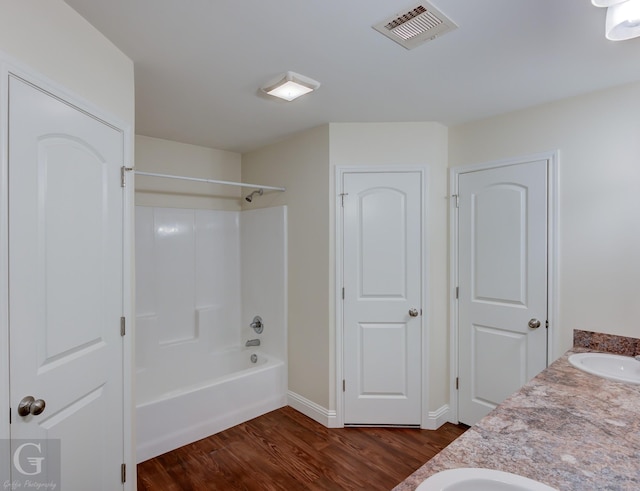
<point x="475" y="479"/>
<point x="614" y="367"/>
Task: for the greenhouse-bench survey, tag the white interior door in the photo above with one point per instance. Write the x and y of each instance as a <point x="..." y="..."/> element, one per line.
<point x="502" y="283"/>
<point x="66" y="287"/>
<point x="382" y="230"/>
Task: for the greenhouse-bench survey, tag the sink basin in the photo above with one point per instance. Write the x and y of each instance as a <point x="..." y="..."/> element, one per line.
<point x="475" y="479"/>
<point x="614" y="367"/>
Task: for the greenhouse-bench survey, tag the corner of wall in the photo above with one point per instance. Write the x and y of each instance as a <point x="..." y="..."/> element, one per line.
<point x="75" y="55"/>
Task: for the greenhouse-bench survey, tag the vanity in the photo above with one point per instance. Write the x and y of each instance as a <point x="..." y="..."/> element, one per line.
<point x="566" y="428"/>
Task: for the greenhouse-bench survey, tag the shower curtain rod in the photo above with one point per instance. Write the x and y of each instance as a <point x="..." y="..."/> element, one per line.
<point x="211" y="181"/>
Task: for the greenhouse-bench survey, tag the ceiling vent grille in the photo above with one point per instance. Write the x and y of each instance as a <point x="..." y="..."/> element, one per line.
<point x="416" y="26"/>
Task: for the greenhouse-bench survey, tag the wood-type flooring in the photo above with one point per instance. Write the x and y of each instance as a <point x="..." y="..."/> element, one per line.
<point x="286" y="450"/>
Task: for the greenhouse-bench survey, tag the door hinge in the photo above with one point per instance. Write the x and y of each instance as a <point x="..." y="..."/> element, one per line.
<point x="9" y="414"/>
<point x="123" y="170"/>
<point x="123" y="473"/>
<point x="344" y="385"/>
<point x="457" y="292"/>
<point x="342" y="195"/>
<point x="457" y="383"/>
<point x="456" y="200"/>
<point x="123" y="328"/>
<point x="343" y="293"/>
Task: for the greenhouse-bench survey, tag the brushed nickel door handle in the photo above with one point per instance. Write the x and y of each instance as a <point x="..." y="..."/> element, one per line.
<point x="534" y="323"/>
<point x="29" y="405"/>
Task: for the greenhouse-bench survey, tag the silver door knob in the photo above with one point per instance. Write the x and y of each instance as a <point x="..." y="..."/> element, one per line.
<point x="29" y="405"/>
<point x="413" y="312"/>
<point x="534" y="323"/>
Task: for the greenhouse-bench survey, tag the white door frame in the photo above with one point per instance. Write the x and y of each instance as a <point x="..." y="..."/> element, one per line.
<point x="552" y="253"/>
<point x="9" y="65"/>
<point x="338" y="421"/>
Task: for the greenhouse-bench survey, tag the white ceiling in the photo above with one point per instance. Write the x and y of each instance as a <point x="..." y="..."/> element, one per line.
<point x="199" y="63"/>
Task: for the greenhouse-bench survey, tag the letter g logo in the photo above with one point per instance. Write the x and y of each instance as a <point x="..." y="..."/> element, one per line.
<point x="33" y="461"/>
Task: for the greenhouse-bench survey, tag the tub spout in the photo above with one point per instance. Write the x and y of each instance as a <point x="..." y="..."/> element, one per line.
<point x="253" y="342"/>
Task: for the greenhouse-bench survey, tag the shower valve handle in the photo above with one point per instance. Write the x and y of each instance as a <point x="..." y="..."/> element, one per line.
<point x="257" y="325"/>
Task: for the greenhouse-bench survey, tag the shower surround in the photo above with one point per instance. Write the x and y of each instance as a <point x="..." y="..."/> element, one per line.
<point x="201" y="277"/>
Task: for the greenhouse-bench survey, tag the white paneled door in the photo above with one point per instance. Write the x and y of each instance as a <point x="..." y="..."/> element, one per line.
<point x="382" y="325"/>
<point x="502" y="283"/>
<point x="66" y="286"/>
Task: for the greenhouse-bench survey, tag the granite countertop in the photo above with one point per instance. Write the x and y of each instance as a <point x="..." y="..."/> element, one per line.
<point x="564" y="428"/>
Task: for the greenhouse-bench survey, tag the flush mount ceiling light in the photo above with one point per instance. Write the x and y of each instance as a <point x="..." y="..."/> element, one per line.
<point x="623" y="18"/>
<point x="290" y="86"/>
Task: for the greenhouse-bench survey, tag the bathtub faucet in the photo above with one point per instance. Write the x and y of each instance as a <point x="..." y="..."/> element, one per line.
<point x="253" y="342"/>
<point x="257" y="325"/>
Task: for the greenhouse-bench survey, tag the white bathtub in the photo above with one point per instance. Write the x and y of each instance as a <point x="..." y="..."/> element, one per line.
<point x="201" y="397"/>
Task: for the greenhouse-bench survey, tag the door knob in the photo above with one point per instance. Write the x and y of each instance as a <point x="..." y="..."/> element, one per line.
<point x="30" y="405"/>
<point x="413" y="312"/>
<point x="534" y="323"/>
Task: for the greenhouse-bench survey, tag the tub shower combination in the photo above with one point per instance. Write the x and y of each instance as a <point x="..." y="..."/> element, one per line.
<point x="211" y="322"/>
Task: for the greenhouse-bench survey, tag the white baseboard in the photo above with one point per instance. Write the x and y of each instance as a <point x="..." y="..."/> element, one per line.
<point x="309" y="408"/>
<point x="435" y="419"/>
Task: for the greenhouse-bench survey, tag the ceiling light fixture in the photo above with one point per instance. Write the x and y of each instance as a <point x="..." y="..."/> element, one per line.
<point x="623" y="21"/>
<point x="623" y="18"/>
<point x="290" y="86"/>
<point x="606" y="3"/>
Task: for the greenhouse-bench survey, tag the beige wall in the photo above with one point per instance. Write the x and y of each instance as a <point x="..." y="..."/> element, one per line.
<point x="598" y="139"/>
<point x="169" y="157"/>
<point x="406" y="144"/>
<point x="301" y="164"/>
<point x="305" y="165"/>
<point x="51" y="38"/>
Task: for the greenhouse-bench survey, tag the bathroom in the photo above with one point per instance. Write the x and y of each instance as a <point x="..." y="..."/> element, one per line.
<point x="595" y="135"/>
<point x="580" y="168"/>
<point x="301" y="165"/>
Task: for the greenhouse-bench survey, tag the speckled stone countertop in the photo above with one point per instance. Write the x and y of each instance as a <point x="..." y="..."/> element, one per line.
<point x="564" y="428"/>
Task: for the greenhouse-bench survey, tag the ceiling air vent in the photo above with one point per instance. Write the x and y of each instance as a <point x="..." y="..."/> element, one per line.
<point x="418" y="25"/>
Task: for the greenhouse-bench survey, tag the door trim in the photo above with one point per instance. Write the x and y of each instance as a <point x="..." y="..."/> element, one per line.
<point x="552" y="253"/>
<point x="9" y="66"/>
<point x="338" y="422"/>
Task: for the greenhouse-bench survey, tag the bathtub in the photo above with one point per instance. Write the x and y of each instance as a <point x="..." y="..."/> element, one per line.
<point x="203" y="396"/>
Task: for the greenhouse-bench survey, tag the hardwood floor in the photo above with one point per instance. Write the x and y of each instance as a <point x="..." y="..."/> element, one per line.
<point x="286" y="450"/>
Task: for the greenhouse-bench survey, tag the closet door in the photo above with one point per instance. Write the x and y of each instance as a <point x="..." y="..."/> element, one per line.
<point x="66" y="292"/>
<point x="382" y="278"/>
<point x="502" y="267"/>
